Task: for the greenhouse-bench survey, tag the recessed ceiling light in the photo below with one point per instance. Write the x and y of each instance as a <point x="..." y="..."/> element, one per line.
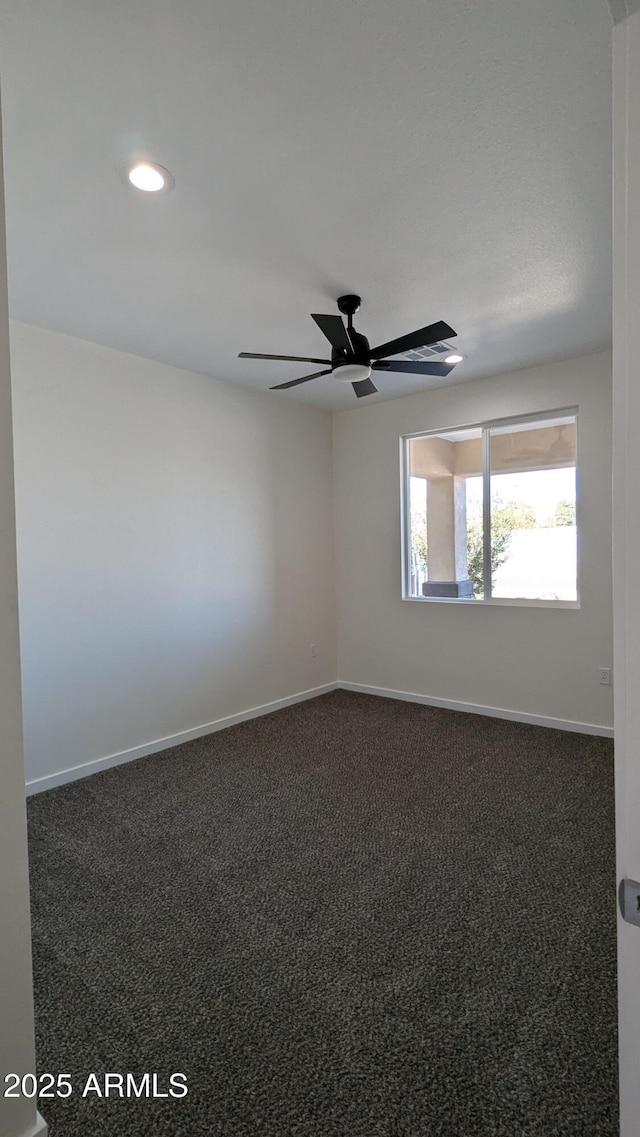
<point x="453" y="358"/>
<point x="149" y="177"/>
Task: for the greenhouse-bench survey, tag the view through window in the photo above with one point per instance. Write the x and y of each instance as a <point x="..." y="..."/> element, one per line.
<point x="492" y="512"/>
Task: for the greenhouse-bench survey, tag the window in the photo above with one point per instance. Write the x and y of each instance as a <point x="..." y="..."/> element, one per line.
<point x="490" y="512"/>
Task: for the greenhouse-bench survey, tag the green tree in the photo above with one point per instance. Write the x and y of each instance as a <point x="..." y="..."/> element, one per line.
<point x="563" y="514"/>
<point x="419" y="533"/>
<point x="513" y="515"/>
<point x="500" y="541"/>
<point x="505" y="517"/>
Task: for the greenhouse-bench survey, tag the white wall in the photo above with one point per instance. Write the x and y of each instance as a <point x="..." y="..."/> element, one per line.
<point x="175" y="549"/>
<point x="532" y="661"/>
<point x="17" y="1116"/>
<point x="626" y="536"/>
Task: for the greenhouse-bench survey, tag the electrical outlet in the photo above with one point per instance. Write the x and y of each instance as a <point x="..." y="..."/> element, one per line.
<point x="312" y="651"/>
<point x="605" y="676"/>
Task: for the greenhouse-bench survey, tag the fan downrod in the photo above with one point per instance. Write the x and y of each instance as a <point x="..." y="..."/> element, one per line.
<point x="349" y="305"/>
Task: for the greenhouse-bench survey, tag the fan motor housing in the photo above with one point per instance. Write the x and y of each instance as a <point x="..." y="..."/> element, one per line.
<point x="360" y="350"/>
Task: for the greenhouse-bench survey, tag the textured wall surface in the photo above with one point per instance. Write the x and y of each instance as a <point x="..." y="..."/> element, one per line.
<point x="526" y="659"/>
<point x="175" y="549"/>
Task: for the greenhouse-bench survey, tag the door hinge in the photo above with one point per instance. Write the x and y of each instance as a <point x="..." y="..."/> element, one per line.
<point x="629" y="900"/>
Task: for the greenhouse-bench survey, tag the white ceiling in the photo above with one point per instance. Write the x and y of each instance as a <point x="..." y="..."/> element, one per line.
<point x="446" y="159"/>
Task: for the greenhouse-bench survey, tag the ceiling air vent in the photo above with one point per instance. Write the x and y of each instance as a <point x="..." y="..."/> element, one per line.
<point x="432" y="352"/>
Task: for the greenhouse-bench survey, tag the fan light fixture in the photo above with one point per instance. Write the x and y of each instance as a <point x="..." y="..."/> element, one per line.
<point x="453" y="357"/>
<point x="149" y="177"/>
<point x="351" y="372"/>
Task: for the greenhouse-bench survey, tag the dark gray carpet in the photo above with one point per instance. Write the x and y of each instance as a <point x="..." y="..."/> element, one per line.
<point x="353" y="918"/>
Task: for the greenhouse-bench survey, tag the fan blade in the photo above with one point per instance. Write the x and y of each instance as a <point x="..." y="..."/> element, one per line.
<point x="417" y="368"/>
<point x="305" y="379"/>
<point x="335" y="331"/>
<point x="364" y="387"/>
<point x="292" y="358"/>
<point x="422" y="338"/>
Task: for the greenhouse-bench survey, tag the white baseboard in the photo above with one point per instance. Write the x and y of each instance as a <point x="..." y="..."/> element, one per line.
<point x="37" y="785"/>
<point x="477" y="709"/>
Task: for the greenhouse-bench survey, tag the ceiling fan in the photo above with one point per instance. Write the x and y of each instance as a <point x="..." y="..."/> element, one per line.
<point x="352" y="360"/>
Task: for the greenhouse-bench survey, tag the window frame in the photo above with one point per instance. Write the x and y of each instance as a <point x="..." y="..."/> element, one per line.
<point x="486" y="427"/>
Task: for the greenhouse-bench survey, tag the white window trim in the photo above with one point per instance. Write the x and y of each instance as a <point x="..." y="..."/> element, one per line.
<point x="405" y="521"/>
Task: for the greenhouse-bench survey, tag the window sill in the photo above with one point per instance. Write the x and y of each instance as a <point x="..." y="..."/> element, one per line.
<point x="495" y="602"/>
